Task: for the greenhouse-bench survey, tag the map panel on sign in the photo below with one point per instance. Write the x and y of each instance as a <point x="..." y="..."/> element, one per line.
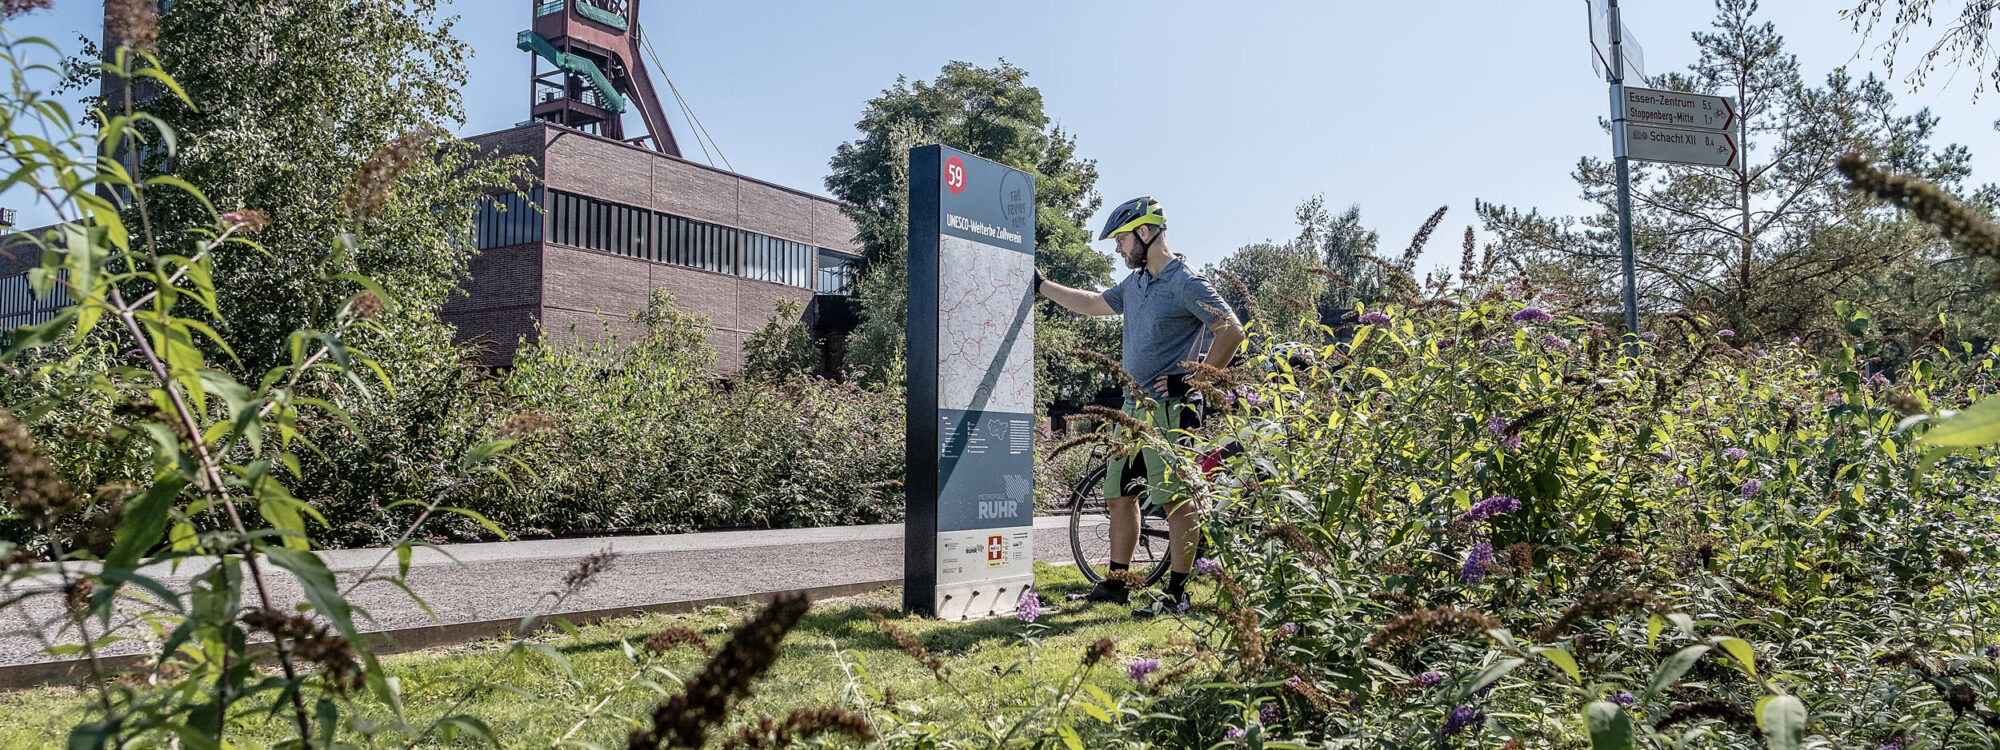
<point x="985" y="325"/>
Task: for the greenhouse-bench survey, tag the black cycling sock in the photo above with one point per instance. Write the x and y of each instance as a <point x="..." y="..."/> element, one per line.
<point x="1115" y="567"/>
<point x="1176" y="584"/>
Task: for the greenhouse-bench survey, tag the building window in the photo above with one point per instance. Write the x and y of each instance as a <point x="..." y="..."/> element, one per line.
<point x="664" y="238"/>
<point x="508" y="219"/>
<point x="836" y="273"/>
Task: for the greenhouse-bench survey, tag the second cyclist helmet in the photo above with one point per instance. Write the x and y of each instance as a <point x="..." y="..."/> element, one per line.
<point x="1131" y="214"/>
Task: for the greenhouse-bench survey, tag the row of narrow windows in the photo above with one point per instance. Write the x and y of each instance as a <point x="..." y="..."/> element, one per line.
<point x="578" y="221"/>
<point x="19" y="307"/>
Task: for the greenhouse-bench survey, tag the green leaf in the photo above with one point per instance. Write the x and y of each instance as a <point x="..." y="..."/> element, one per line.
<point x="1491" y="674"/>
<point x="1672" y="669"/>
<point x="483" y="451"/>
<point x="1976" y="426"/>
<point x="1742" y="651"/>
<point x="28" y="338"/>
<point x="1562" y="659"/>
<point x="1783" y="720"/>
<point x="145" y="522"/>
<point x="1610" y="728"/>
<point x="1069" y="737"/>
<point x="318" y="583"/>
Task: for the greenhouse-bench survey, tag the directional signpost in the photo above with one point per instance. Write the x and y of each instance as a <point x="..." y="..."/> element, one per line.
<point x="968" y="550"/>
<point x="1669" y="126"/>
<point x="1653" y="125"/>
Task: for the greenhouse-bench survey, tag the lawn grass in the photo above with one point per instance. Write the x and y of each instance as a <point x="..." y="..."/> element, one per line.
<point x="837" y="636"/>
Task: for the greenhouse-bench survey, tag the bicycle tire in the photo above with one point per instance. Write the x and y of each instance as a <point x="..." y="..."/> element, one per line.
<point x="1151" y="558"/>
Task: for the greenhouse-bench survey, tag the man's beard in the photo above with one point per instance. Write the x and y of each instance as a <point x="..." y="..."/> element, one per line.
<point x="1135" y="262"/>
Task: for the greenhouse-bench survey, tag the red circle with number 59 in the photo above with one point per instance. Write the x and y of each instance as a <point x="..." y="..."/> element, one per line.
<point x="954" y="175"/>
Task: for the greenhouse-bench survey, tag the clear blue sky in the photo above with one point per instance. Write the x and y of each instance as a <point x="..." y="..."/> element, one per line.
<point x="1230" y="113"/>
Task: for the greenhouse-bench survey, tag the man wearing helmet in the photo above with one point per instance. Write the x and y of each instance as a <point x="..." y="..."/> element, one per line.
<point x="1170" y="314"/>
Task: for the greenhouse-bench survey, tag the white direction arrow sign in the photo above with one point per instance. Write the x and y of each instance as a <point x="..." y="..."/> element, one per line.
<point x="1677" y="110"/>
<point x="1705" y="148"/>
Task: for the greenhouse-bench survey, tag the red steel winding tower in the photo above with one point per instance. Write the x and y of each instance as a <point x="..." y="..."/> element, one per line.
<point x="595" y="46"/>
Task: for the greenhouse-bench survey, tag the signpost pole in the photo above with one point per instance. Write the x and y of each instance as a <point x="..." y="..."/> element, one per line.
<point x="1619" y="139"/>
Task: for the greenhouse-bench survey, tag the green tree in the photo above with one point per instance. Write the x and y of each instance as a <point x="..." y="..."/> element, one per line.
<point x="292" y="98"/>
<point x="1344" y="247"/>
<point x="1281" y="281"/>
<point x="1965" y="39"/>
<point x="783" y="349"/>
<point x="990" y="112"/>
<point x="1768" y="247"/>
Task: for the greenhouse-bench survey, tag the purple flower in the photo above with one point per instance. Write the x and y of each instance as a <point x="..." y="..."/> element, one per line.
<point x="1183" y="607"/>
<point x="1991" y="652"/>
<point x="1207" y="566"/>
<point x="1029" y="608"/>
<point x="1736" y="454"/>
<point x="1893" y="746"/>
<point x="1233" y="735"/>
<point x="1555" y="343"/>
<point x="1624" y="699"/>
<point x="1474" y="569"/>
<point x="1681" y="480"/>
<point x="1725" y="332"/>
<point x="1489" y="508"/>
<point x="1295" y="682"/>
<point x="1810" y="377"/>
<point x="1140" y="668"/>
<point x="1461" y="718"/>
<point x="1429" y="679"/>
<point x="1879" y="380"/>
<point x="1374" y="319"/>
<point x="1950" y="516"/>
<point x="1533" y="315"/>
<point x="1268" y="715"/>
<point x="1496" y="425"/>
<point x="1649" y="336"/>
<point x="1751" y="487"/>
<point x="1290" y="628"/>
<point x="1512" y="443"/>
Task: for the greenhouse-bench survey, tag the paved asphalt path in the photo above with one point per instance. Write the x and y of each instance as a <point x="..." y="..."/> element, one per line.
<point x="507" y="580"/>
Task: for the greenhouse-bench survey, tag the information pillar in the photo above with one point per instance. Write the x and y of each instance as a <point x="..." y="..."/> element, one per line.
<point x="970" y="382"/>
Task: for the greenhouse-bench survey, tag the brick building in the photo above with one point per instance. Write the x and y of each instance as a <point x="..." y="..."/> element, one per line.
<point x="617" y="221"/>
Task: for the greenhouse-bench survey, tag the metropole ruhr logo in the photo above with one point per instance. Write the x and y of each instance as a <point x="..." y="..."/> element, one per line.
<point x="954" y="175"/>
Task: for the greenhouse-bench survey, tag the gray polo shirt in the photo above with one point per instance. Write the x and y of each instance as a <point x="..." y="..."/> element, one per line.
<point x="1166" y="320"/>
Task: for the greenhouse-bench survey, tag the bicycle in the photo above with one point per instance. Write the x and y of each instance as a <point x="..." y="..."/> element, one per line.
<point x="1090" y="527"/>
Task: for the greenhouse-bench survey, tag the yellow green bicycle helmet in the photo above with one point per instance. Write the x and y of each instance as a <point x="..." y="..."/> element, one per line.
<point x="1131" y="215"/>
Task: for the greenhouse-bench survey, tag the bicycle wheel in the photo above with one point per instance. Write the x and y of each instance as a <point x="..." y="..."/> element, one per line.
<point x="1090" y="530"/>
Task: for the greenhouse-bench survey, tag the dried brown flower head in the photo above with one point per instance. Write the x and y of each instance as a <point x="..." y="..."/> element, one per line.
<point x="246" y="221"/>
<point x="1521" y="555"/>
<point x="587" y="569"/>
<point x="1305" y="688"/>
<point x="1399" y="599"/>
<point x="1299" y="542"/>
<point x="1416" y="626"/>
<point x="77" y="593"/>
<point x="707" y="698"/>
<point x="1098" y="651"/>
<point x="1603" y="603"/>
<point x="1127" y="577"/>
<point x="1131" y="424"/>
<point x="16" y="557"/>
<point x="376" y="179"/>
<point x="801" y="724"/>
<point x="1952" y="559"/>
<point x="311" y="642"/>
<point x="910" y="645"/>
<point x="1242" y="290"/>
<point x="39" y="492"/>
<point x="1111" y="367"/>
<point x="12" y="8"/>
<point x="678" y="635"/>
<point x="1170" y="676"/>
<point x="366" y="306"/>
<point x="1961" y="224"/>
<point x="1960" y="699"/>
<point x="1616" y="555"/>
<point x="133" y="23"/>
<point x="1118" y="448"/>
<point x="1711" y="709"/>
<point x="520" y="426"/>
